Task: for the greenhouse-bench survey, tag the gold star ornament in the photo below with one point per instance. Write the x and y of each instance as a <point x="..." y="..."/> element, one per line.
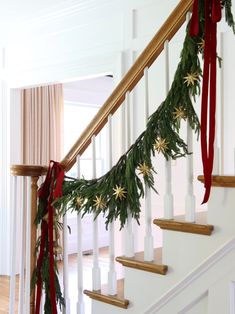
<point x="144" y="169"/>
<point x="160" y="145"/>
<point x="99" y="203"/>
<point x="179" y="113"/>
<point x="119" y="192"/>
<point x="80" y="201"/>
<point x="201" y="45"/>
<point x="191" y="78"/>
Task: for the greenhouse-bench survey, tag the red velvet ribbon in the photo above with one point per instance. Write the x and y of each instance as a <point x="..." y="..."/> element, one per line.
<point x="212" y="16"/>
<point x="50" y="190"/>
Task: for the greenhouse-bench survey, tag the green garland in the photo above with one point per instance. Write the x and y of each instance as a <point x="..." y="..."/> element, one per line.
<point x="119" y="191"/>
<point x="161" y="135"/>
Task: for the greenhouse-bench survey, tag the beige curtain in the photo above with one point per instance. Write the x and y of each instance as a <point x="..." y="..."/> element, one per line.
<point x="42" y="124"/>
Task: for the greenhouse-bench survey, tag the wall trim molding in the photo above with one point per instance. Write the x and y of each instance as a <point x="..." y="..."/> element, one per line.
<point x="194" y="275"/>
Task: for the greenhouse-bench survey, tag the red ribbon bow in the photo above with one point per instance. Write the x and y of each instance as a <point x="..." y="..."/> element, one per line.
<point x="50" y="190"/>
<point x="212" y="16"/>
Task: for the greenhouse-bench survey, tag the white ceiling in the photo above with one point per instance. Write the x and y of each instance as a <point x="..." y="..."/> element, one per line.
<point x="16" y="13"/>
<point x="92" y="91"/>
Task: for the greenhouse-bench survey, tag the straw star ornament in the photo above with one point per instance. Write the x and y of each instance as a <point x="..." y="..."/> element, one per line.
<point x="80" y="201"/>
<point x="191" y="78"/>
<point x="144" y="169"/>
<point x="201" y="45"/>
<point x="160" y="145"/>
<point x="119" y="192"/>
<point x="99" y="203"/>
<point x="179" y="113"/>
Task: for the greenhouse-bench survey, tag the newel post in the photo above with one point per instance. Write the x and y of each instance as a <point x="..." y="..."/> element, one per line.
<point x="34" y="190"/>
<point x="25" y="196"/>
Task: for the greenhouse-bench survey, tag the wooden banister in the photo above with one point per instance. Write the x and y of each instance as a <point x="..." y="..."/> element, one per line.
<point x="28" y="170"/>
<point x="129" y="81"/>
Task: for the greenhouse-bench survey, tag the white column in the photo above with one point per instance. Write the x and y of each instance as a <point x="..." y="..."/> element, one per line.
<point x="148" y="239"/>
<point x="13" y="248"/>
<point x="112" y="275"/>
<point x="129" y="241"/>
<point x="66" y="309"/>
<point x="168" y="197"/>
<point x="80" y="301"/>
<point x="28" y="247"/>
<point x="96" y="280"/>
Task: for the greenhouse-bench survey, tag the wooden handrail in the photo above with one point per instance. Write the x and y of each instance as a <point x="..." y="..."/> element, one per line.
<point x="129" y="81"/>
<point x="28" y="170"/>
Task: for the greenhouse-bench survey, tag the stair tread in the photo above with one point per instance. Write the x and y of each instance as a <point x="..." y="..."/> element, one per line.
<point x="179" y="224"/>
<point x="222" y="181"/>
<point x="103" y="296"/>
<point x="138" y="262"/>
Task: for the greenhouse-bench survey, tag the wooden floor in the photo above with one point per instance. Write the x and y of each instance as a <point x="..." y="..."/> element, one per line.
<point x="87" y="267"/>
<point x="5" y="292"/>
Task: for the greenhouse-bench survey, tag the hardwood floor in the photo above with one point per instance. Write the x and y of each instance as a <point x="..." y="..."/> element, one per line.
<point x="5" y="292"/>
<point x="87" y="280"/>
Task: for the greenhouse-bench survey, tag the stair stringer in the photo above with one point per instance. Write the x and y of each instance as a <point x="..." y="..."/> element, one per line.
<point x="210" y="281"/>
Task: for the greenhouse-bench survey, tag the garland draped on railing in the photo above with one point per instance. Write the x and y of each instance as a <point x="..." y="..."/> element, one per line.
<point x="119" y="191"/>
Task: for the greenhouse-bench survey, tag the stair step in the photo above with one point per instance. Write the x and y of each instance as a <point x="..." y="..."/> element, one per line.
<point x="103" y="296"/>
<point x="179" y="224"/>
<point x="222" y="181"/>
<point x="138" y="262"/>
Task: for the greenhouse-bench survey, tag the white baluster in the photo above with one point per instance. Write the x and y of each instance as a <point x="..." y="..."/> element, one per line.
<point x="234" y="160"/>
<point x="42" y="303"/>
<point x="221" y="113"/>
<point x="66" y="309"/>
<point x="80" y="301"/>
<point x="129" y="241"/>
<point x="190" y="197"/>
<point x="13" y="247"/>
<point x="96" y="280"/>
<point x="28" y="247"/>
<point x="148" y="240"/>
<point x="21" y="309"/>
<point x="168" y="197"/>
<point x="112" y="275"/>
<point x="216" y="163"/>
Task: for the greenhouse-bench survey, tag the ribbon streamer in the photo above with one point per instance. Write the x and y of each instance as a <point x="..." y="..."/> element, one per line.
<point x="49" y="191"/>
<point x="212" y="16"/>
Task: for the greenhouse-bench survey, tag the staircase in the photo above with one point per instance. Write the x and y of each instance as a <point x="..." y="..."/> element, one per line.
<point x="200" y="258"/>
<point x="193" y="271"/>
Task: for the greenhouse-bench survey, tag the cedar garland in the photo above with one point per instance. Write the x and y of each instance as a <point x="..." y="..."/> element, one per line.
<point x="121" y="188"/>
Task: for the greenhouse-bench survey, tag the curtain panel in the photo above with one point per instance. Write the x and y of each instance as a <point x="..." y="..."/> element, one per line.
<point x="42" y="124"/>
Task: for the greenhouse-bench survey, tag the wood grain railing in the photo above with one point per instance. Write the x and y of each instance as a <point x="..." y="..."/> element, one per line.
<point x="129" y="81"/>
